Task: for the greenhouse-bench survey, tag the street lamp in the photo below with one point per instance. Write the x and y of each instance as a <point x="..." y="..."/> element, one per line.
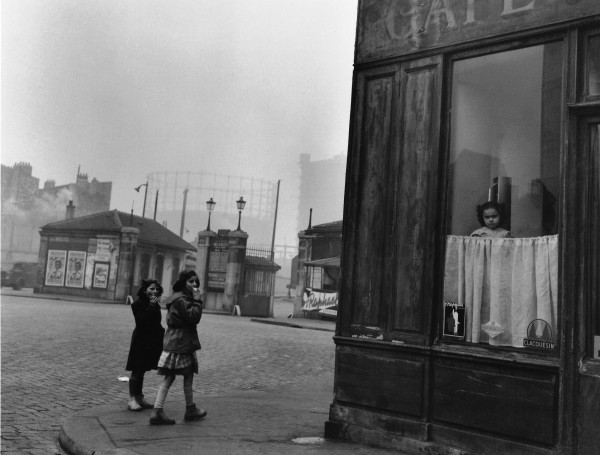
<point x="240" y="205"/>
<point x="210" y="206"/>
<point x="145" y="194"/>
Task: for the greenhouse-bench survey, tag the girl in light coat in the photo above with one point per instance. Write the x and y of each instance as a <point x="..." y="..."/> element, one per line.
<point x="184" y="310"/>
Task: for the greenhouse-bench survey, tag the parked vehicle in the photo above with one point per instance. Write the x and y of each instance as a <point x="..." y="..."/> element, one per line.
<point x="5" y="278"/>
<point x="23" y="275"/>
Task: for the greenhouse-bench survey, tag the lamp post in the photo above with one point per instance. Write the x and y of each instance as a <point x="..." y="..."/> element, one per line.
<point x="240" y="205"/>
<point x="210" y="206"/>
<point x="145" y="194"/>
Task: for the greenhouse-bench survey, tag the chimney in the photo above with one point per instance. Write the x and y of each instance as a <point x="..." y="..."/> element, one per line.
<point x="70" y="211"/>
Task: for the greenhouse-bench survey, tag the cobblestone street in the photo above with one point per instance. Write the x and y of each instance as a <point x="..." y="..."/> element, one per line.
<point x="60" y="357"/>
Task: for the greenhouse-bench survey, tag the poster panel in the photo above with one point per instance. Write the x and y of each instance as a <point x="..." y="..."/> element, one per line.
<point x="217" y="264"/>
<point x="55" y="269"/>
<point x="103" y="249"/>
<point x="100" y="277"/>
<point x="75" y="269"/>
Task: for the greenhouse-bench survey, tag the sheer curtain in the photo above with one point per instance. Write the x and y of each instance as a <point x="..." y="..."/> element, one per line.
<point x="504" y="285"/>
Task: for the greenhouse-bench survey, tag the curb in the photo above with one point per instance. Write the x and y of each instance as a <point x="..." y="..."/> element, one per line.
<point x="289" y="324"/>
<point x="70" y="446"/>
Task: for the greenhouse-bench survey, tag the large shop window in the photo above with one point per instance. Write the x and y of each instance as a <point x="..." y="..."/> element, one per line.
<point x="501" y="270"/>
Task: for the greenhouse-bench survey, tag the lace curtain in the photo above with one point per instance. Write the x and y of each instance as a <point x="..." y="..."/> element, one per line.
<point x="504" y="284"/>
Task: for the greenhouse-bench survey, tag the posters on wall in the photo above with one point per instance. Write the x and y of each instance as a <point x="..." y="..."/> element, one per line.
<point x="100" y="277"/>
<point x="75" y="269"/>
<point x="103" y="248"/>
<point x="55" y="269"/>
<point x="217" y="264"/>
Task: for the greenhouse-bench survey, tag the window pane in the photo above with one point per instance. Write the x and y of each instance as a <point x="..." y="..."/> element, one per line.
<point x="502" y="249"/>
<point x="593" y="56"/>
<point x="594" y="229"/>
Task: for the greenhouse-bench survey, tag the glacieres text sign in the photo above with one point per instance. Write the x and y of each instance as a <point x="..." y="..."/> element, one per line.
<point x="391" y="27"/>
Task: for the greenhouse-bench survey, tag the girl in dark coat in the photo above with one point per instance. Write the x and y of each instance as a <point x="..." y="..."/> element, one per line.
<point x="146" y="341"/>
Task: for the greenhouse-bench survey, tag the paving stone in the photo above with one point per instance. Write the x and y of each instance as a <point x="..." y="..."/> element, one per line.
<point x="62" y="357"/>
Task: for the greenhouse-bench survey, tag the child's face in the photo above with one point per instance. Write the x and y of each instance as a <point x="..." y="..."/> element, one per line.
<point x="192" y="283"/>
<point x="152" y="290"/>
<point x="491" y="218"/>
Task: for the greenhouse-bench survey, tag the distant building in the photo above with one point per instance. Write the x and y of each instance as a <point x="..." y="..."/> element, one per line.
<point x="26" y="207"/>
<point x="321" y="188"/>
<point x="88" y="196"/>
<point x="316" y="282"/>
<point x="107" y="254"/>
<point x="18" y="185"/>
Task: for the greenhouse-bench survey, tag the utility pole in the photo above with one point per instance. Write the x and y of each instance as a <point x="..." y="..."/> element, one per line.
<point x="272" y="304"/>
<point x="185" y="192"/>
<point x="145" y="194"/>
<point x="155" y="204"/>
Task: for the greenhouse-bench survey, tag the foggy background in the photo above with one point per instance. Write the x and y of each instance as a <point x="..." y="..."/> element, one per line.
<point x="126" y="88"/>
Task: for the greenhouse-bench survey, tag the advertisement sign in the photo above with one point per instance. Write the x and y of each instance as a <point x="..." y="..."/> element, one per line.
<point x="454" y="319"/>
<point x="320" y="301"/>
<point x="217" y="264"/>
<point x="100" y="276"/>
<point x="75" y="269"/>
<point x="539" y="335"/>
<point x="399" y="26"/>
<point x="55" y="269"/>
<point x="103" y="248"/>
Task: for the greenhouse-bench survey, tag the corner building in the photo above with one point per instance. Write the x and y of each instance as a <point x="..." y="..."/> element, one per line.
<point x="448" y="342"/>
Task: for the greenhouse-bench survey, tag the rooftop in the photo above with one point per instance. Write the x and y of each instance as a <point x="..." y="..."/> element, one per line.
<point x="151" y="232"/>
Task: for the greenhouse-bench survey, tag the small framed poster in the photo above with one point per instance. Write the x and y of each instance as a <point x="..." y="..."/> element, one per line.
<point x="75" y="269"/>
<point x="55" y="269"/>
<point x="100" y="276"/>
<point x="454" y="320"/>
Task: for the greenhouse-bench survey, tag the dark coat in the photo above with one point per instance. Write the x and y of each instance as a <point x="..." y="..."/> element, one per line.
<point x="183" y="315"/>
<point x="147" y="337"/>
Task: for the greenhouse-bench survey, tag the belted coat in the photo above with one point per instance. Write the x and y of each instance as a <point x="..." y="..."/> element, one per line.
<point x="147" y="337"/>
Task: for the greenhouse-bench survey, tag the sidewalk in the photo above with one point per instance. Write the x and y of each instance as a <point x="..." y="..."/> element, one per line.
<point x="287" y="420"/>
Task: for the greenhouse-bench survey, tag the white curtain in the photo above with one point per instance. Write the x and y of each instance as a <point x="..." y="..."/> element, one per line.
<point x="504" y="284"/>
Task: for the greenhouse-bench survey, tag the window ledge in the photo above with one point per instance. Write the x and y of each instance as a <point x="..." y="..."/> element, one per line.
<point x="462" y="352"/>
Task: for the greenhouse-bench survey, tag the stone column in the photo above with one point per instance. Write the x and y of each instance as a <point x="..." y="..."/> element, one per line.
<point x="127" y="255"/>
<point x="235" y="267"/>
<point x="304" y="255"/>
<point x="41" y="268"/>
<point x="204" y="243"/>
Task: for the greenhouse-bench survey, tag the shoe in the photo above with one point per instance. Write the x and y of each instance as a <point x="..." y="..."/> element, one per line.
<point x="193" y="413"/>
<point x="158" y="417"/>
<point x="133" y="405"/>
<point x="143" y="403"/>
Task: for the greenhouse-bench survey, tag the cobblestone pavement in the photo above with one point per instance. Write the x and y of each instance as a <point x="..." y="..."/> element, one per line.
<point x="60" y="357"/>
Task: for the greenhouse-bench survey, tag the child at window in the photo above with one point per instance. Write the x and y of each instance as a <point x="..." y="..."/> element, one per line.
<point x="489" y="215"/>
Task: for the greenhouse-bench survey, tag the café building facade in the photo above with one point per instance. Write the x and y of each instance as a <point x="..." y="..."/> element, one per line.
<point x="448" y="342"/>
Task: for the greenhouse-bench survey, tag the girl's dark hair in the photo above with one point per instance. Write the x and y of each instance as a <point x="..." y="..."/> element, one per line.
<point x="489" y="205"/>
<point x="185" y="275"/>
<point x="146" y="284"/>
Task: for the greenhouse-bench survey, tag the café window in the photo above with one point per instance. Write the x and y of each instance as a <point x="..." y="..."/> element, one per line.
<point x="593" y="67"/>
<point x="592" y="137"/>
<point x="501" y="265"/>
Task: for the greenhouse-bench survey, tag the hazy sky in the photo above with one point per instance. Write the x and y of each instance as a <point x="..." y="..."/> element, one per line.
<point x="125" y="88"/>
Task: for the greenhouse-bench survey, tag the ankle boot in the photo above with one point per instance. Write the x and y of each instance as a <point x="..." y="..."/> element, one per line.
<point x="193" y="413"/>
<point x="133" y="405"/>
<point x="158" y="417"/>
<point x="143" y="403"/>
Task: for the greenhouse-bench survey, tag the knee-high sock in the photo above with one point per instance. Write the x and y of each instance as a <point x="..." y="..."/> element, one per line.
<point x="163" y="390"/>
<point x="134" y="383"/>
<point x="188" y="391"/>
